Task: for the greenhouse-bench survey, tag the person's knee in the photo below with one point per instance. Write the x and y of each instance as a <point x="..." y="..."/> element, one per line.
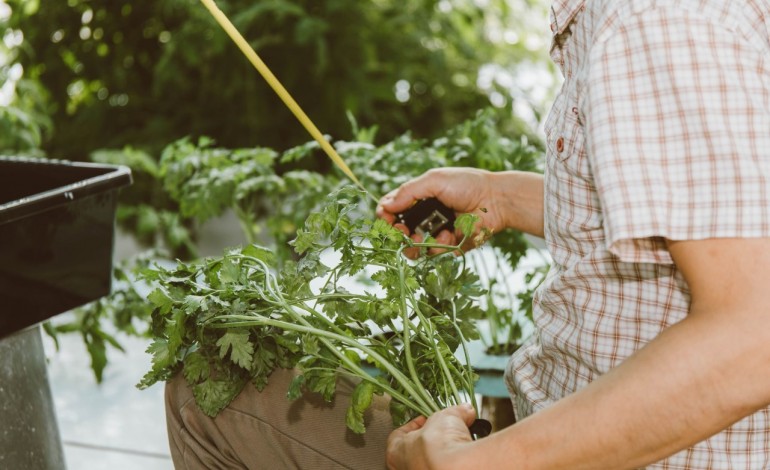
<point x="177" y="394"/>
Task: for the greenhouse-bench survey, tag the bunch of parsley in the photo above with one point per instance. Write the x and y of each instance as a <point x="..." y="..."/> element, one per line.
<point x="232" y="320"/>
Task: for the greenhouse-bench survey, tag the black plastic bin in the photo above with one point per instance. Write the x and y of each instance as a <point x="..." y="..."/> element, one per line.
<point x="56" y="239"/>
<point x="56" y="236"/>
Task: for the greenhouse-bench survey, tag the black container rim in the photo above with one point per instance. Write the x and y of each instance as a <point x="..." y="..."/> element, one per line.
<point x="117" y="176"/>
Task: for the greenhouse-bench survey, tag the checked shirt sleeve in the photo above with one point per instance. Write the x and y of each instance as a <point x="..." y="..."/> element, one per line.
<point x="677" y="113"/>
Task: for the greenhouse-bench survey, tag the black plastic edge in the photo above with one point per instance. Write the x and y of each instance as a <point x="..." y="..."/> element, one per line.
<point x="118" y="177"/>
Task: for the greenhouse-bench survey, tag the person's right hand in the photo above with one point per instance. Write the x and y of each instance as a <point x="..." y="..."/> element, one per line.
<point x="464" y="190"/>
<point x="440" y="442"/>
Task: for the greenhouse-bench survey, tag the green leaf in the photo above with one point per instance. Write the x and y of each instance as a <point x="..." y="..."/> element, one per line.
<point x="466" y="223"/>
<point x="241" y="349"/>
<point x="441" y="281"/>
<point x="360" y="401"/>
<point x="196" y="368"/>
<point x="193" y="303"/>
<point x="399" y="413"/>
<point x="310" y="344"/>
<point x="161" y="300"/>
<point x="212" y="396"/>
<point x="98" y="353"/>
<point x="229" y="271"/>
<point x="322" y="381"/>
<point x="311" y="267"/>
<point x="261" y="253"/>
<point x="295" y="387"/>
<point x="299" y="152"/>
<point x="161" y="358"/>
<point x="304" y="241"/>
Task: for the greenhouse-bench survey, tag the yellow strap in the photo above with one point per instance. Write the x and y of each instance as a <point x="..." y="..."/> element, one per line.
<point x="251" y="54"/>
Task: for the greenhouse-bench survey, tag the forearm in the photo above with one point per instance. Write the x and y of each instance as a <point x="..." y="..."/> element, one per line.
<point x="694" y="380"/>
<point x="519" y="198"/>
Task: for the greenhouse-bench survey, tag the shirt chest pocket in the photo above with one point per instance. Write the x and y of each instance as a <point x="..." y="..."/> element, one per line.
<point x="565" y="140"/>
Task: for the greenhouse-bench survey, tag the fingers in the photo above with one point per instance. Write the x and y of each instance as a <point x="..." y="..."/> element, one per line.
<point x="450" y="425"/>
<point x="400" y="444"/>
<point x="403" y="197"/>
<point x="412" y="425"/>
<point x="432" y="183"/>
<point x="465" y="412"/>
<point x="433" y="442"/>
<point x="445" y="237"/>
<point x="393" y="203"/>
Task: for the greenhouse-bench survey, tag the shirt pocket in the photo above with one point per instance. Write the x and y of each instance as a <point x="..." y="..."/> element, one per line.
<point x="565" y="140"/>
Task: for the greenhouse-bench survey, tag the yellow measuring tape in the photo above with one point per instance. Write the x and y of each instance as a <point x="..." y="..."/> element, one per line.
<point x="276" y="85"/>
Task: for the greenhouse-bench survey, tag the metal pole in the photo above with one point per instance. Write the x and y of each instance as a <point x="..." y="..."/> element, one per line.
<point x="29" y="433"/>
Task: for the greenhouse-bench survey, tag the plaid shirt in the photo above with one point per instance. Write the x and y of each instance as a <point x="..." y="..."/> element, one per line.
<point x="661" y="130"/>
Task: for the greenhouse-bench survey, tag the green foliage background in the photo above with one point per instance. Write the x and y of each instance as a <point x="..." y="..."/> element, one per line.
<point x="109" y="73"/>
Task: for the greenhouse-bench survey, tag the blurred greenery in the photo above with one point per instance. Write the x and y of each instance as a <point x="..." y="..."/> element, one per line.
<point x="110" y="73"/>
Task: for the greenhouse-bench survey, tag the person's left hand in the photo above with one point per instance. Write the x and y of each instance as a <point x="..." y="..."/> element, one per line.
<point x="432" y="443"/>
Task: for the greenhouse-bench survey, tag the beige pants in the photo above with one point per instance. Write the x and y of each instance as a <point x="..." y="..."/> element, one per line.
<point x="267" y="431"/>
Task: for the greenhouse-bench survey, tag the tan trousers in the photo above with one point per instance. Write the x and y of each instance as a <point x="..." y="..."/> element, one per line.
<point x="267" y="431"/>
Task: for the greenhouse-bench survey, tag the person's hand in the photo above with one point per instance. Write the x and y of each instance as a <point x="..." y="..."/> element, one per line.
<point x="464" y="190"/>
<point x="432" y="443"/>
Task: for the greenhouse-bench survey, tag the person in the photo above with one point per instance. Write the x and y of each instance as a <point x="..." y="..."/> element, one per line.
<point x="652" y="343"/>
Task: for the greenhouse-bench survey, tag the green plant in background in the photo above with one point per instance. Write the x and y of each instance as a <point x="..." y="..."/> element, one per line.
<point x="142" y="74"/>
<point x="156" y="222"/>
<point x="24" y="124"/>
<point x="507" y="303"/>
<point x="125" y="311"/>
<point x="225" y="322"/>
<point x="206" y="180"/>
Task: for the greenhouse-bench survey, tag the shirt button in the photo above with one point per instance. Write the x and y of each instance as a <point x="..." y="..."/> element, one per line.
<point x="560" y="145"/>
<point x="553" y="27"/>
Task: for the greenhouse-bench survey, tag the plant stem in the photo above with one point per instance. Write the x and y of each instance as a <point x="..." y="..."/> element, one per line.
<point x="246" y="320"/>
<point x="406" y="338"/>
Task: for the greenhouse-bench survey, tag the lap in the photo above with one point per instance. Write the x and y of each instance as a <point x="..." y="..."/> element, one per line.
<point x="267" y="430"/>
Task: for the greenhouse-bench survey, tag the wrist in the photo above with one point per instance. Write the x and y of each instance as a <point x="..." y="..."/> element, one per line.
<point x="518" y="199"/>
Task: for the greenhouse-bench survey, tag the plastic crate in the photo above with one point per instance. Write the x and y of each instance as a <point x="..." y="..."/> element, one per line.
<point x="57" y="226"/>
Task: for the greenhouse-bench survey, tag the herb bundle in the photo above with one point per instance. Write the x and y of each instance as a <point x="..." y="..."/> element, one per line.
<point x="232" y="320"/>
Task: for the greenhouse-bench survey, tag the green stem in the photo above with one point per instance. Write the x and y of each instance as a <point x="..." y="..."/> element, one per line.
<point x="245" y="320"/>
<point x="407" y="323"/>
<point x="439" y="355"/>
<point x="247" y="224"/>
<point x="469" y="380"/>
<point x="418" y="393"/>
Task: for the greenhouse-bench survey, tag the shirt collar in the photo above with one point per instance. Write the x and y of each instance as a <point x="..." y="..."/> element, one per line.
<point x="562" y="12"/>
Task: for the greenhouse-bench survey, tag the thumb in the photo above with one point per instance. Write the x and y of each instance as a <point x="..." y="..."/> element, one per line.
<point x="465" y="412"/>
<point x="398" y="200"/>
<point x="402" y="198"/>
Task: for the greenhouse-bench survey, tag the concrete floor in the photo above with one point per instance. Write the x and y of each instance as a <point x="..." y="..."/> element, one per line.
<point x="113" y="425"/>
